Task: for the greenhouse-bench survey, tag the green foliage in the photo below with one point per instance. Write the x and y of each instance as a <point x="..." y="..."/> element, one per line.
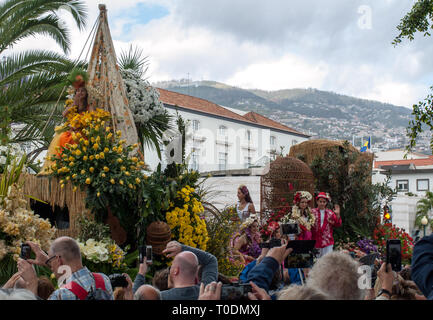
<point x="90" y="229"/>
<point x="221" y="229"/>
<point x="423" y="209"/>
<point x="417" y="20"/>
<point x="346" y="177"/>
<point x="31" y="82"/>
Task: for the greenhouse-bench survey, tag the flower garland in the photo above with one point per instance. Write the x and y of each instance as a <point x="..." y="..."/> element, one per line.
<point x="184" y="219"/>
<point x="296" y="216"/>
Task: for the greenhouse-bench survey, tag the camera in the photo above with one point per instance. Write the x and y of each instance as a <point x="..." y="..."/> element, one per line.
<point x="235" y="291"/>
<point x="274" y="242"/>
<point x="393" y="254"/>
<point x="25" y="251"/>
<point x="303" y="254"/>
<point x="290" y="229"/>
<point x="118" y="280"/>
<point x="145" y="251"/>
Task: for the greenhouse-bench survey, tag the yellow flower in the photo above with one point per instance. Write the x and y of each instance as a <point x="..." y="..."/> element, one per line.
<point x="95" y="146"/>
<point x="91" y="169"/>
<point x="74" y="189"/>
<point x="71" y="164"/>
<point x="135" y="159"/>
<point x="88" y="180"/>
<point x="83" y="171"/>
<point x="78" y="152"/>
<point x="119" y="133"/>
<point x="107" y="129"/>
<point x="86" y="142"/>
<point x="141" y="163"/>
<point x="103" y="175"/>
<point x="137" y="180"/>
<point x="98" y="194"/>
<point x="62" y="186"/>
<point x="123" y="168"/>
<point x="113" y="181"/>
<point x="121" y="182"/>
<point x="135" y="145"/>
<point x="85" y="158"/>
<point x="122" y="141"/>
<point x="127" y="173"/>
<point x="106" y="150"/>
<point x="92" y="157"/>
<point x="130" y="186"/>
<point x="71" y="158"/>
<point x="97" y="128"/>
<point x="97" y="157"/>
<point x="102" y="155"/>
<point x="119" y="160"/>
<point x="74" y="176"/>
<point x="109" y="135"/>
<point x="92" y="139"/>
<point x="84" y="149"/>
<point x="106" y="169"/>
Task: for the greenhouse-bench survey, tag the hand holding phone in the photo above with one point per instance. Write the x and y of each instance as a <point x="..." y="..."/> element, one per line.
<point x="393" y="254"/>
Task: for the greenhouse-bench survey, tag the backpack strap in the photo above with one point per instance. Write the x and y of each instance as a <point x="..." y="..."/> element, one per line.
<point x="99" y="281"/>
<point x="76" y="289"/>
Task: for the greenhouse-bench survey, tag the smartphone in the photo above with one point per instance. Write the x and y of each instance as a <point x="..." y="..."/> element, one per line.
<point x="118" y="280"/>
<point x="141" y="254"/>
<point x="290" y="229"/>
<point x="25" y="251"/>
<point x="393" y="254"/>
<point x="235" y="291"/>
<point x="149" y="257"/>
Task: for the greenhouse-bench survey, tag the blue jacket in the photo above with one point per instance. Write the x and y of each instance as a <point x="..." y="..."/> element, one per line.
<point x="244" y="274"/>
<point x="422" y="266"/>
<point x="263" y="273"/>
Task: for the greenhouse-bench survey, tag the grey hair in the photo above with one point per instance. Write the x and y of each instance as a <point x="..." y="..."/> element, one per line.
<point x="67" y="248"/>
<point x="16" y="294"/>
<point x="139" y="296"/>
<point x="336" y="274"/>
<point x="295" y="292"/>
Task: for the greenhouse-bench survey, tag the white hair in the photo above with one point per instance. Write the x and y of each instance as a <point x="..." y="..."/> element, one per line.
<point x="336" y="274"/>
<point x="16" y="294"/>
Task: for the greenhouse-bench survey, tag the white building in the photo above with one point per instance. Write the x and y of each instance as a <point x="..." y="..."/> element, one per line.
<point x="411" y="178"/>
<point x="220" y="139"/>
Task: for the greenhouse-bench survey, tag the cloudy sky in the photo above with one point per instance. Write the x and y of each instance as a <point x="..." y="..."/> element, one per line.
<point x="336" y="45"/>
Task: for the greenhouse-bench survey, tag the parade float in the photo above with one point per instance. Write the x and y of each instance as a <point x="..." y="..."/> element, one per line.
<point x="94" y="185"/>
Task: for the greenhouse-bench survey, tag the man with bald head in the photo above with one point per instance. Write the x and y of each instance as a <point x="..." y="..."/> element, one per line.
<point x="64" y="260"/>
<point x="183" y="276"/>
<point x="147" y="292"/>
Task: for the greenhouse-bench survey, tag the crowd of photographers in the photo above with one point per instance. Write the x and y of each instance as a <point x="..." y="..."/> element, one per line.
<point x="193" y="275"/>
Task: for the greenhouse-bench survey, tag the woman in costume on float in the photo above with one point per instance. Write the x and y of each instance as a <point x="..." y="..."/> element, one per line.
<point x="302" y="214"/>
<point x="246" y="242"/>
<point x="76" y="103"/>
<point x="245" y="206"/>
<point x="326" y="221"/>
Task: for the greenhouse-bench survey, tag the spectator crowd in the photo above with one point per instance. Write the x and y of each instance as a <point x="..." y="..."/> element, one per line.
<point x="193" y="275"/>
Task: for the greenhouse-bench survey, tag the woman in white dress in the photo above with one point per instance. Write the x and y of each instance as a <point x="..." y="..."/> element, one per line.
<point x="245" y="206"/>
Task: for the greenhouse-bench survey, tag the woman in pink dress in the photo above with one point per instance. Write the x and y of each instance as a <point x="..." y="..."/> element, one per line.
<point x="302" y="214"/>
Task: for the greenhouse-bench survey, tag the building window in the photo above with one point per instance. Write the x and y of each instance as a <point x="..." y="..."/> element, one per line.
<point x="294" y="142"/>
<point x="248" y="135"/>
<point x="422" y="185"/>
<point x="273" y="141"/>
<point x="195" y="161"/>
<point x="402" y="185"/>
<point x="195" y="125"/>
<point x="222" y="161"/>
<point x="222" y="130"/>
<point x="247" y="161"/>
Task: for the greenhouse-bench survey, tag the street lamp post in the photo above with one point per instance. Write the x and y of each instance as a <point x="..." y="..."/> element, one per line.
<point x="424" y="222"/>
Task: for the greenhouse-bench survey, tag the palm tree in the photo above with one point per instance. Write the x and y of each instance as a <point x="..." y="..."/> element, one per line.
<point x="424" y="209"/>
<point x="31" y="82"/>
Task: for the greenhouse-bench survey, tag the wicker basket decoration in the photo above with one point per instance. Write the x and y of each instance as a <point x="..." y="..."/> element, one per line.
<point x="286" y="176"/>
<point x="158" y="234"/>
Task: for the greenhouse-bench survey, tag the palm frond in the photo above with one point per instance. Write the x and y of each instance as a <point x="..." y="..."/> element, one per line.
<point x="133" y="59"/>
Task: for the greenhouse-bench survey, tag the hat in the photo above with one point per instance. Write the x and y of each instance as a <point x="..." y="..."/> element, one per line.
<point x="324" y="195"/>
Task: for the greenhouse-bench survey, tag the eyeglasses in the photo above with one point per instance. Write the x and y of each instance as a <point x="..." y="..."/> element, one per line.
<point x="48" y="262"/>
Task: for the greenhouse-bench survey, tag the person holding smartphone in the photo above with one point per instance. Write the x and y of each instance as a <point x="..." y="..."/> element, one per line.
<point x="326" y="221"/>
